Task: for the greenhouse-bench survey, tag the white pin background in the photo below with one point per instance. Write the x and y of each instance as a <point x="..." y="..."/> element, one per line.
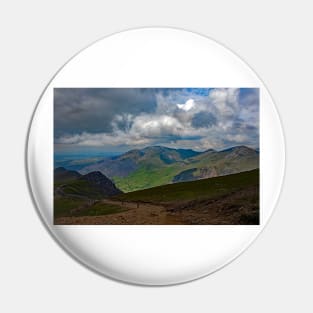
<point x="155" y="255"/>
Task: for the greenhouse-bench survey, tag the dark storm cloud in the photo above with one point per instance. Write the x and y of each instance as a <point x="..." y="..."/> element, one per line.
<point x="203" y="119"/>
<point x="124" y="118"/>
<point x="92" y="110"/>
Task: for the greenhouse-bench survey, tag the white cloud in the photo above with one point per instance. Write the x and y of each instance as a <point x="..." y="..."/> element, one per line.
<point x="187" y="106"/>
<point x="156" y="126"/>
<point x="238" y="138"/>
<point x="225" y="102"/>
<point x="179" y="125"/>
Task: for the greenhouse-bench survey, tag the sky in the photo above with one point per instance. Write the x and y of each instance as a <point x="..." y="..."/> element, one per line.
<point x="121" y="119"/>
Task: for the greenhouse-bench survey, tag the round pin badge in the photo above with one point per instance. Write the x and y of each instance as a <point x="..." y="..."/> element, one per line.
<point x="155" y="156"/>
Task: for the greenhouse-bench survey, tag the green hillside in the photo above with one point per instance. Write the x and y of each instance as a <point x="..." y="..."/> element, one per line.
<point x="225" y="200"/>
<point x="82" y="188"/>
<point x="199" y="189"/>
<point x="152" y="171"/>
<point x="79" y="196"/>
<point x="156" y="166"/>
<point x="70" y="206"/>
<point x="147" y="176"/>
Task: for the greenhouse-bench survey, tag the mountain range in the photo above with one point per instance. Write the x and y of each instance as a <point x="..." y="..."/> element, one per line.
<point x="185" y="186"/>
<point x="157" y="165"/>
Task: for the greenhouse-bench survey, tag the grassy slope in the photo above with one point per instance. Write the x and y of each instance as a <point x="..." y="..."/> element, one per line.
<point x="200" y="189"/>
<point x="82" y="188"/>
<point x="155" y="173"/>
<point x="64" y="205"/>
<point x="147" y="177"/>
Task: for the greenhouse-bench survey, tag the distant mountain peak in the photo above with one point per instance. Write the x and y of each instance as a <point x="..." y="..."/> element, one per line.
<point x="131" y="153"/>
<point x="158" y="147"/>
<point x="209" y="150"/>
<point x="241" y="147"/>
<point x="150" y="166"/>
<point x="240" y="151"/>
<point x="95" y="176"/>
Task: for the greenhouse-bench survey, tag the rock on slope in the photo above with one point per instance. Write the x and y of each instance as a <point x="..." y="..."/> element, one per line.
<point x="92" y="185"/>
<point x="101" y="183"/>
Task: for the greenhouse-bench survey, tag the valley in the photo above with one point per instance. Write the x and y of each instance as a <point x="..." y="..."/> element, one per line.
<point x="225" y="200"/>
<point x="157" y="165"/>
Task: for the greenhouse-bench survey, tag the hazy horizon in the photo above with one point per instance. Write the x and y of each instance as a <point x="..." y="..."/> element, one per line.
<point x="100" y="153"/>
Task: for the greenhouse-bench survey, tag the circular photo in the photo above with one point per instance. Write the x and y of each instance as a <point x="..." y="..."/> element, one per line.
<point x="155" y="156"/>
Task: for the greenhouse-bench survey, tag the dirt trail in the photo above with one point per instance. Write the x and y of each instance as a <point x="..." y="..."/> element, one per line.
<point x="237" y="208"/>
<point x="135" y="214"/>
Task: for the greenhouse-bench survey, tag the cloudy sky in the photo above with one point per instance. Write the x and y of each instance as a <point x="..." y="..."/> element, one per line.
<point x="120" y="119"/>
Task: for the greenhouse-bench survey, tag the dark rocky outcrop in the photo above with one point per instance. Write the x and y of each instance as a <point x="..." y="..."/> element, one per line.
<point x="101" y="184"/>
